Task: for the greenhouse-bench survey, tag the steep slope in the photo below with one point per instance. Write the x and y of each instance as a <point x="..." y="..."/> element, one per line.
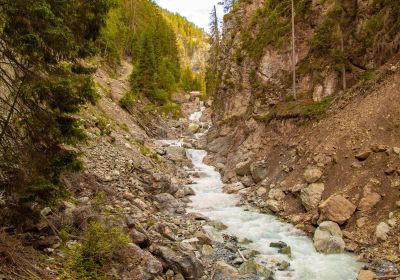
<point x="344" y="133"/>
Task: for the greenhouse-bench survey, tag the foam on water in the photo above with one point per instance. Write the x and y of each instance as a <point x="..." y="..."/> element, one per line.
<point x="196" y="116"/>
<point x="262" y="229"/>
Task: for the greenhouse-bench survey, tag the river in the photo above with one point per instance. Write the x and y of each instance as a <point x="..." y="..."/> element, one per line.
<point x="262" y="229"/>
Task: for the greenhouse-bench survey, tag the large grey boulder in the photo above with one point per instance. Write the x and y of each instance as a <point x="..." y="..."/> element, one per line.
<point x="311" y="195"/>
<point x="167" y="202"/>
<point x="328" y="238"/>
<point x="180" y="262"/>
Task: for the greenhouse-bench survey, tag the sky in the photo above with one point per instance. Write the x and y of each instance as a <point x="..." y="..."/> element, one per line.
<point x="196" y="11"/>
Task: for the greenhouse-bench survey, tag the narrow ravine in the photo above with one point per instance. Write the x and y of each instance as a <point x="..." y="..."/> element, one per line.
<point x="259" y="230"/>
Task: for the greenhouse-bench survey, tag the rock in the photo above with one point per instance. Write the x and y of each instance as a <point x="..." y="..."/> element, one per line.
<point x="176" y="152"/>
<point x="276" y="194"/>
<point x="207" y="250"/>
<point x="396" y="150"/>
<point x="312" y="175"/>
<point x="223" y="267"/>
<point x="369" y="201"/>
<point x="286" y="251"/>
<point x="186" y="264"/>
<point x="233" y="188"/>
<point x="160" y="151"/>
<point x="194" y="128"/>
<point x="364" y="155"/>
<point x="218" y="225"/>
<point x="203" y="237"/>
<point x="297" y="188"/>
<point x="243" y="168"/>
<point x="328" y="238"/>
<point x="51" y="241"/>
<point x="395" y="184"/>
<point x="251" y="267"/>
<point x="337" y="209"/>
<point x="366" y="275"/>
<point x="184" y="191"/>
<point x="45" y="211"/>
<point x="138" y="238"/>
<point x="279" y="244"/>
<point x="199" y="217"/>
<point x="311" y="195"/>
<point x="83" y="200"/>
<point x="382" y="230"/>
<point x="247" y="181"/>
<point x="258" y="171"/>
<point x="146" y="267"/>
<point x="361" y="222"/>
<point x="398" y="203"/>
<point x="168" y="202"/>
<point x="379" y="148"/>
<point x="273" y="205"/>
<point x="261" y="191"/>
<point x="284" y="265"/>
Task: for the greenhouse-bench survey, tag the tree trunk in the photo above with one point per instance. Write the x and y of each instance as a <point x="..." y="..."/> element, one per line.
<point x="293" y="53"/>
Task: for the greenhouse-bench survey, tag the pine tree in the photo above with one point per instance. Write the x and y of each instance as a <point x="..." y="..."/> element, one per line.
<point x="215" y="48"/>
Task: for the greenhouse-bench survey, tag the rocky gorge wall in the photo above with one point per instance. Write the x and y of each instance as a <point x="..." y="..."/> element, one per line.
<point x="332" y="154"/>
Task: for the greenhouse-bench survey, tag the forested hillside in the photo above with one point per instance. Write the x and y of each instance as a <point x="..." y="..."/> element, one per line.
<point x="167" y="52"/>
<point x="60" y="64"/>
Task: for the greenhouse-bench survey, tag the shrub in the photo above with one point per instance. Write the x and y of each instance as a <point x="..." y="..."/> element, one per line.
<point x="89" y="258"/>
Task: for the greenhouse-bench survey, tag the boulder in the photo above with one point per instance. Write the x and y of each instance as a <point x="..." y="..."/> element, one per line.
<point x="251" y="267"/>
<point x="312" y="175"/>
<point x="207" y="250"/>
<point x="194" y="128"/>
<point x="276" y="194"/>
<point x="180" y="262"/>
<point x="168" y="202"/>
<point x="258" y="171"/>
<point x="369" y="201"/>
<point x="337" y="209"/>
<point x="273" y="205"/>
<point x="311" y="195"/>
<point x="243" y="168"/>
<point x="224" y="268"/>
<point x="382" y="231"/>
<point x="366" y="275"/>
<point x="146" y="267"/>
<point x="328" y="238"/>
<point x="176" y="152"/>
<point x="184" y="191"/>
<point x="139" y="238"/>
<point x="247" y="181"/>
<point x="261" y="191"/>
<point x="364" y="155"/>
<point x="233" y="188"/>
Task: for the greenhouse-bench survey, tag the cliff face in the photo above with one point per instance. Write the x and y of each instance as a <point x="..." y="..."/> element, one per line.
<point x="342" y="123"/>
<point x="338" y="43"/>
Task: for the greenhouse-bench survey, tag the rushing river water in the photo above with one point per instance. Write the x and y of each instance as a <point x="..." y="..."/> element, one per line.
<point x="262" y="229"/>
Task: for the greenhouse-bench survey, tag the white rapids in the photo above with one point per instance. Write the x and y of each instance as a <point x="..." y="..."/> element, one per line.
<point x="262" y="229"/>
